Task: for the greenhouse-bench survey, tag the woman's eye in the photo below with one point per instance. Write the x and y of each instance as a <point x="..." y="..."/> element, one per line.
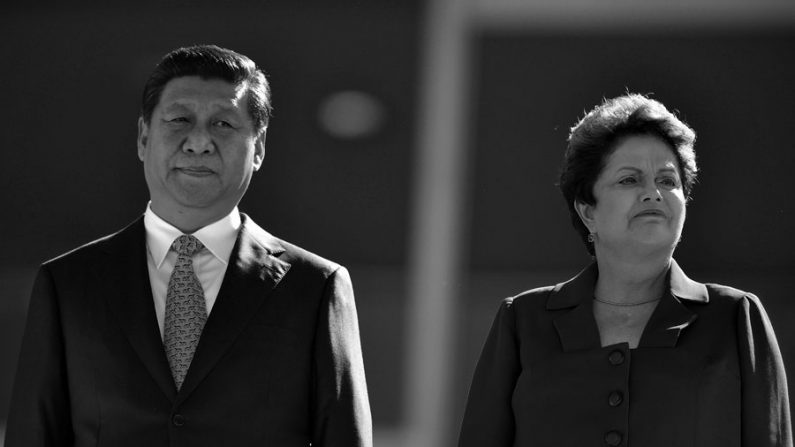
<point x="224" y="124"/>
<point x="669" y="182"/>
<point x="628" y="181"/>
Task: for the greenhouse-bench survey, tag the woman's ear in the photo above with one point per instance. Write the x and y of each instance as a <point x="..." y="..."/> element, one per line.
<point x="585" y="211"/>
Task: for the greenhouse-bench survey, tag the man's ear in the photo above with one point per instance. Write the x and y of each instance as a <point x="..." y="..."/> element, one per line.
<point x="143" y="137"/>
<point x="585" y="211"/>
<point x="259" y="149"/>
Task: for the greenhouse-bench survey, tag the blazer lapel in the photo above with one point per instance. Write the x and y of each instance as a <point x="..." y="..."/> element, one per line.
<point x="253" y="271"/>
<point x="124" y="279"/>
<point x="671" y="315"/>
<point x="576" y="328"/>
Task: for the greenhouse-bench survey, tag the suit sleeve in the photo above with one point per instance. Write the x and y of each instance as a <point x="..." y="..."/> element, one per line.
<point x="765" y="402"/>
<point x="488" y="418"/>
<point x="39" y="414"/>
<point x="341" y="405"/>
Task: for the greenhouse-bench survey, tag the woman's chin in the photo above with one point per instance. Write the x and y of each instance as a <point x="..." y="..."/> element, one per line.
<point x="647" y="244"/>
<point x="656" y="243"/>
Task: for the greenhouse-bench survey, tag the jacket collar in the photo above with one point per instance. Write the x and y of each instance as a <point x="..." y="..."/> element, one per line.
<point x="125" y="264"/>
<point x="577" y="327"/>
<point x="254" y="270"/>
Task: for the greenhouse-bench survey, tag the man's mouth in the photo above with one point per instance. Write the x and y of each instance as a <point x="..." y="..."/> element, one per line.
<point x="195" y="171"/>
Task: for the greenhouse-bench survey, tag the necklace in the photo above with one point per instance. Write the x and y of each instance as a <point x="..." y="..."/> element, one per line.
<point x="616" y="303"/>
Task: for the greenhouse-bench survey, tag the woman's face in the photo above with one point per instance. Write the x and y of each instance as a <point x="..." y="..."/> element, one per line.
<point x="640" y="204"/>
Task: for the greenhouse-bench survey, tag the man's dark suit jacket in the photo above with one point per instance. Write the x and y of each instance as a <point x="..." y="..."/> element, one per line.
<point x="279" y="362"/>
<point x="706" y="373"/>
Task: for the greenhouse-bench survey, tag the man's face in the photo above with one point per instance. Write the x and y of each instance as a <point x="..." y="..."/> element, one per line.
<point x="200" y="148"/>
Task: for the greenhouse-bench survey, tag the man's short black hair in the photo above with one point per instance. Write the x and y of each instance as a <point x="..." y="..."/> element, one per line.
<point x="211" y="62"/>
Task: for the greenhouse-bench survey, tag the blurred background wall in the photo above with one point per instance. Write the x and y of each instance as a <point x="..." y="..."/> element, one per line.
<point x="425" y="137"/>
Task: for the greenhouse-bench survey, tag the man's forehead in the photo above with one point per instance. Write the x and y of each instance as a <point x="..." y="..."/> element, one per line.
<point x="192" y="91"/>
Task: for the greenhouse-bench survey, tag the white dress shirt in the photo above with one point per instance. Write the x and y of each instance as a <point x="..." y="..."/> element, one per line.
<point x="209" y="264"/>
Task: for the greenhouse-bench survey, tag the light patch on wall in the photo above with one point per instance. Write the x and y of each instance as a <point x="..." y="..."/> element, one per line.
<point x="351" y="114"/>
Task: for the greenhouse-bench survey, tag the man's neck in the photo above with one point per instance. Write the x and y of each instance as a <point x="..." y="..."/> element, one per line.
<point x="189" y="220"/>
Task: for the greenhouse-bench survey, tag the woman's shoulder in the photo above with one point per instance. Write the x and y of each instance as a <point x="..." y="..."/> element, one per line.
<point x="723" y="293"/>
<point x="529" y="298"/>
<point x="717" y="295"/>
<point x="562" y="295"/>
<point x="731" y="300"/>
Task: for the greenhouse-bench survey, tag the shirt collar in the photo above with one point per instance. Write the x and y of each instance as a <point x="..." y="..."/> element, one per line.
<point x="218" y="237"/>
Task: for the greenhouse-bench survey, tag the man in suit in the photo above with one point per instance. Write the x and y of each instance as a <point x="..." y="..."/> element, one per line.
<point x="193" y="326"/>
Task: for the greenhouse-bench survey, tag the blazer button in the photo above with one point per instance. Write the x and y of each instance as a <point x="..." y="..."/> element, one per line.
<point x="613" y="438"/>
<point x="616" y="358"/>
<point x="615" y="398"/>
<point x="178" y="420"/>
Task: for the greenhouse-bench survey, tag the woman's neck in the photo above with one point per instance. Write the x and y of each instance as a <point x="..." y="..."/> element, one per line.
<point x="629" y="281"/>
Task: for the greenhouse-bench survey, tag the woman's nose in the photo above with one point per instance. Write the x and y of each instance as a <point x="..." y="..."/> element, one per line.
<point x="651" y="192"/>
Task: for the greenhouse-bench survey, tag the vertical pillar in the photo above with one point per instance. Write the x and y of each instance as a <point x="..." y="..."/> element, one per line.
<point x="437" y="225"/>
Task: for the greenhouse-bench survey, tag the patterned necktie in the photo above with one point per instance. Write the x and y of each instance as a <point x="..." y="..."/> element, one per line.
<point x="186" y="311"/>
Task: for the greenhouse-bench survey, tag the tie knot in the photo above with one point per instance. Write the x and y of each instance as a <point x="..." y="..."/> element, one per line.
<point x="187" y="245"/>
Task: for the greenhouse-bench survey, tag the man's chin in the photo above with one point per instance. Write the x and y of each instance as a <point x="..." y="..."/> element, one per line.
<point x="188" y="199"/>
<point x="195" y="192"/>
<point x="197" y="202"/>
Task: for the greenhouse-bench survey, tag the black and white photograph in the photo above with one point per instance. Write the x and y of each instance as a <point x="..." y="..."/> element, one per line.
<point x="425" y="223"/>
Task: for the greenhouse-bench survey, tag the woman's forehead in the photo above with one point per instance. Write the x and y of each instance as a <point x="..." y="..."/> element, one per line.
<point x="641" y="152"/>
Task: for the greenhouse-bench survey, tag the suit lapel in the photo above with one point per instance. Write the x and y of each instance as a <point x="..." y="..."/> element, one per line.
<point x="253" y="271"/>
<point x="124" y="279"/>
<point x="577" y="327"/>
<point x="672" y="315"/>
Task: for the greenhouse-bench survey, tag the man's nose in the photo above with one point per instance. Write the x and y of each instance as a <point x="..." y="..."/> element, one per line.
<point x="199" y="141"/>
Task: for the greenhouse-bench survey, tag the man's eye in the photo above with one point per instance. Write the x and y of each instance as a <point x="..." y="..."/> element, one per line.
<point x="177" y="120"/>
<point x="224" y="124"/>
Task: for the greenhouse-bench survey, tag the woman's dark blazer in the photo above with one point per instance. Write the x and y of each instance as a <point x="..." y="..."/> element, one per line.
<point x="707" y="372"/>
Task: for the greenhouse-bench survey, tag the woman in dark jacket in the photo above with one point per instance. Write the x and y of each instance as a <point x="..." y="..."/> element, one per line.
<point x="630" y="352"/>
